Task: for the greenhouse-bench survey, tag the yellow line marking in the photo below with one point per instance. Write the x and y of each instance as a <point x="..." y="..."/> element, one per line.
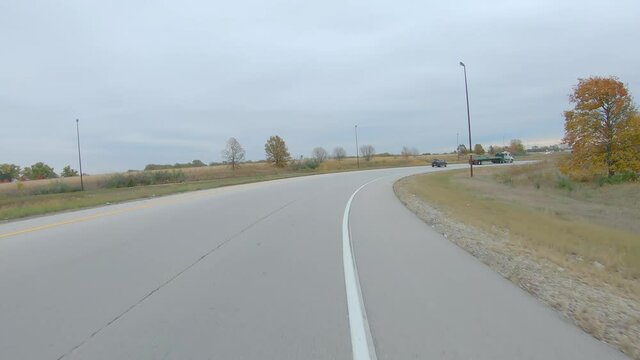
<point x="85" y="218"/>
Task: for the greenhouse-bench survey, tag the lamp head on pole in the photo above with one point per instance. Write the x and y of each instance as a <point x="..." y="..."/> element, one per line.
<point x="461" y="63"/>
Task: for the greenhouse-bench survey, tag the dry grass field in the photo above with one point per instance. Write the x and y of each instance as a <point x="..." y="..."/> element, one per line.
<point x="596" y="224"/>
<point x="574" y="245"/>
<point x="13" y="207"/>
<point x="26" y="198"/>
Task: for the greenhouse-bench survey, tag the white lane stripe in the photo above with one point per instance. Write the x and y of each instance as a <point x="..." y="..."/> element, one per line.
<point x="361" y="343"/>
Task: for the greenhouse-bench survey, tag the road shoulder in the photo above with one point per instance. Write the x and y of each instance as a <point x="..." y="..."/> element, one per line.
<point x="598" y="311"/>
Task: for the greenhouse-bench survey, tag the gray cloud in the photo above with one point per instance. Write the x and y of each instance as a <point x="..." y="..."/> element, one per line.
<point x="171" y="82"/>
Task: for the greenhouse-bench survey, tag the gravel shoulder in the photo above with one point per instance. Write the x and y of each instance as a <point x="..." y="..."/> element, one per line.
<point x="601" y="310"/>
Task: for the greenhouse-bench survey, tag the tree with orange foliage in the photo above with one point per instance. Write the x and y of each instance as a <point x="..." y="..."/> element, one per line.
<point x="603" y="129"/>
<point x="277" y="152"/>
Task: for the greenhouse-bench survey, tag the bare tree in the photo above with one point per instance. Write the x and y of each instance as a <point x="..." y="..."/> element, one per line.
<point x="405" y="151"/>
<point x="367" y="152"/>
<point x="339" y="153"/>
<point x="320" y="154"/>
<point x="409" y="151"/>
<point x="493" y="149"/>
<point x="233" y="154"/>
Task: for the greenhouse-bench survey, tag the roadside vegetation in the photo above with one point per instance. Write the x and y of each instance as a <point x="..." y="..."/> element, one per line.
<point x="574" y="245"/>
<point x="564" y="229"/>
<point x="515" y="147"/>
<point x="38" y="189"/>
<point x="35" y="197"/>
<point x="542" y="209"/>
<point x="603" y="130"/>
<point x="29" y="202"/>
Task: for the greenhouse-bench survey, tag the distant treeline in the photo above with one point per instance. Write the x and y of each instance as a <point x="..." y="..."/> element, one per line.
<point x="194" y="163"/>
<point x="545" y="148"/>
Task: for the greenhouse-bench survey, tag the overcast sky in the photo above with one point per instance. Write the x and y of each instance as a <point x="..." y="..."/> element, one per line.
<point x="171" y="81"/>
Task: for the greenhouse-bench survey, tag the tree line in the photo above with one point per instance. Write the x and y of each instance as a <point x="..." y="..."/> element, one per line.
<point x="194" y="163"/>
<point x="37" y="171"/>
<point x="233" y="155"/>
<point x="516" y="147"/>
<point x="277" y="153"/>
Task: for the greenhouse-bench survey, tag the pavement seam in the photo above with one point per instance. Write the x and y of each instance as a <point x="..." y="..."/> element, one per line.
<point x="177" y="275"/>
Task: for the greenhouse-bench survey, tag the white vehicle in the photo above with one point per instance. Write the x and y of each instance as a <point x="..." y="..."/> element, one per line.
<point x="499" y="158"/>
<point x="506" y="157"/>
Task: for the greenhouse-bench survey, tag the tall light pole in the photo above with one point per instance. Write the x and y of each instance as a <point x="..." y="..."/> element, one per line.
<point x="466" y="90"/>
<point x="357" y="151"/>
<point x="79" y="157"/>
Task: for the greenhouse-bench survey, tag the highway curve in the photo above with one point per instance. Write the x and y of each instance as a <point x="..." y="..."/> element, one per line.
<point x="258" y="271"/>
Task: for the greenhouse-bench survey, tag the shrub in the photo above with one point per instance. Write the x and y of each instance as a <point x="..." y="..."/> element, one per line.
<point x="54" y="188"/>
<point x="618" y="178"/>
<point x="194" y="163"/>
<point x="306" y="164"/>
<point x="167" y="177"/>
<point x="564" y="182"/>
<point x="623" y="177"/>
<point x="144" y="178"/>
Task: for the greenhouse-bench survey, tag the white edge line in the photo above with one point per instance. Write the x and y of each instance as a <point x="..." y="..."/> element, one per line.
<point x="361" y="341"/>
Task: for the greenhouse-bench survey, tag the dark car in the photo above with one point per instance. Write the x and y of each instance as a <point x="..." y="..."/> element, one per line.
<point x="438" y="163"/>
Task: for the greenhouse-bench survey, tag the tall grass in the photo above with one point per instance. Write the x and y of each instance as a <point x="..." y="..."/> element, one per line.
<point x="565" y="182"/>
<point x="145" y="178"/>
<point x="590" y="235"/>
<point x="628" y="176"/>
<point x="49" y="187"/>
<point x="305" y="164"/>
<point x="207" y="173"/>
<point x="19" y="200"/>
<point x="561" y="229"/>
<point x="546" y="174"/>
<point x="541" y="174"/>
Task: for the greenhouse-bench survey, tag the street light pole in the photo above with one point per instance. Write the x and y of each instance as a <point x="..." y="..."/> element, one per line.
<point x="79" y="157"/>
<point x="357" y="151"/>
<point x="466" y="90"/>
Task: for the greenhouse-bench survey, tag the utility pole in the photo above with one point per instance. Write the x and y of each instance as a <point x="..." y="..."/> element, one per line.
<point x="357" y="151"/>
<point x="458" y="145"/>
<point x="79" y="157"/>
<point x="466" y="90"/>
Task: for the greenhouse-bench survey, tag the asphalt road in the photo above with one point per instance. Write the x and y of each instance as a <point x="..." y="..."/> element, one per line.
<point x="256" y="272"/>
